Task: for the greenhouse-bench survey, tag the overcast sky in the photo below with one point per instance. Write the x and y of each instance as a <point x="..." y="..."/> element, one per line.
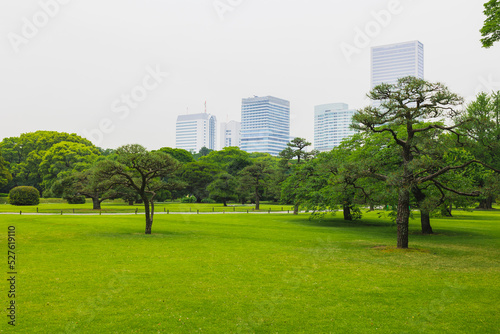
<point x="97" y="68"/>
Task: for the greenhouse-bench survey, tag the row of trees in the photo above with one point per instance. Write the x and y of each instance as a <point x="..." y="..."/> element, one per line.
<point x="399" y="159"/>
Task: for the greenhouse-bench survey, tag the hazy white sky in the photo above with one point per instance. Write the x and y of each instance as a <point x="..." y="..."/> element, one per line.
<point x="76" y="68"/>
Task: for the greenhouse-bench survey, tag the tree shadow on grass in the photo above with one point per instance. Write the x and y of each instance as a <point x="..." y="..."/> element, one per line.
<point x="339" y="222"/>
<point x="139" y="235"/>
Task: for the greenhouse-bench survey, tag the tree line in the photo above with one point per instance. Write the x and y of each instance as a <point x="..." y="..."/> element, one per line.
<point x="418" y="149"/>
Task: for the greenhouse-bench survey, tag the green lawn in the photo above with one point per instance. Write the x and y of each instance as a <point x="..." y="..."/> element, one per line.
<point x="120" y="207"/>
<point x="253" y="274"/>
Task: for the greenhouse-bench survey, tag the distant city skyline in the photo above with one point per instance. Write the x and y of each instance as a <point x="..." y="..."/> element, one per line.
<point x="120" y="72"/>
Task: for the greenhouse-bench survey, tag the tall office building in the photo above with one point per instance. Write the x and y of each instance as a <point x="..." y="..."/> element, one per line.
<point x="265" y="124"/>
<point x="230" y="134"/>
<point x="196" y="131"/>
<point x="394" y="61"/>
<point x="331" y="125"/>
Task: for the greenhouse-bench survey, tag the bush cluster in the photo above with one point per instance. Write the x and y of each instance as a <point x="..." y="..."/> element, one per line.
<point x="24" y="196"/>
<point x="76" y="199"/>
<point x="188" y="199"/>
<point x="208" y="200"/>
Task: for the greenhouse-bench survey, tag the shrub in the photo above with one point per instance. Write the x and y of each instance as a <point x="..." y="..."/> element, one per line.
<point x="208" y="200"/>
<point x="188" y="199"/>
<point x="76" y="199"/>
<point x="24" y="196"/>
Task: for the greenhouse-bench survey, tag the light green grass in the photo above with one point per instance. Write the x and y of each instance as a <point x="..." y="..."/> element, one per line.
<point x="253" y="274"/>
<point x="120" y="207"/>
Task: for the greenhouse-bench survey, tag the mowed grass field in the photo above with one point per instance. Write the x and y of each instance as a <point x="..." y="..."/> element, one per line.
<point x="249" y="273"/>
<point x="120" y="207"/>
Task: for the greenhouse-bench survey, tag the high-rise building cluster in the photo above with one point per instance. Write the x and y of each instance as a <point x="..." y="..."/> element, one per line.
<point x="265" y="121"/>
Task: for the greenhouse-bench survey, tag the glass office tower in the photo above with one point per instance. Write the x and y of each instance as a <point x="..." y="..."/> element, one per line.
<point x="265" y="124"/>
<point x="394" y="61"/>
<point x="331" y="125"/>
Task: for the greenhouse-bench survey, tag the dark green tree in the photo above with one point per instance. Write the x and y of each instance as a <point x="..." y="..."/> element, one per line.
<point x="179" y="154"/>
<point x="296" y="150"/>
<point x="403" y="107"/>
<point x="202" y="153"/>
<point x="255" y="177"/>
<point x="64" y="158"/>
<point x="141" y="171"/>
<point x="5" y="176"/>
<point x="288" y="176"/>
<point x="223" y="188"/>
<point x="483" y="141"/>
<point x="491" y="28"/>
<point x="231" y="159"/>
<point x="25" y="153"/>
<point x="197" y="176"/>
<point x="84" y="183"/>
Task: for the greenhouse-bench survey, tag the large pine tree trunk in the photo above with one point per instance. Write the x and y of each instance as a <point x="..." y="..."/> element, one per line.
<point x="403" y="217"/>
<point x="96" y="204"/>
<point x="425" y="221"/>
<point x="347" y="212"/>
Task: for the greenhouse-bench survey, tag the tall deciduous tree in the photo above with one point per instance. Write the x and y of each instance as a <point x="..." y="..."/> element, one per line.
<point x="255" y="177"/>
<point x="86" y="184"/>
<point x="181" y="155"/>
<point x="223" y="188"/>
<point x="483" y="131"/>
<point x="64" y="158"/>
<point x="25" y="153"/>
<point x="141" y="171"/>
<point x="5" y="176"/>
<point x="290" y="185"/>
<point x="403" y="107"/>
<point x="296" y="149"/>
<point x="197" y="176"/>
<point x="491" y="28"/>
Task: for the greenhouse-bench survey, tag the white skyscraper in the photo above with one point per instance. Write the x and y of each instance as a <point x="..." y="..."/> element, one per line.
<point x="331" y="125"/>
<point x="230" y="134"/>
<point x="394" y="61"/>
<point x="265" y="124"/>
<point x="196" y="131"/>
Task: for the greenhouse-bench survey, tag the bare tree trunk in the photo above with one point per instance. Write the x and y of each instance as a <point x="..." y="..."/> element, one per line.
<point x="130" y="202"/>
<point x="225" y="202"/>
<point x="403" y="217"/>
<point x="257" y="200"/>
<point x="372" y="207"/>
<point x="96" y="204"/>
<point x="425" y="221"/>
<point x="296" y="209"/>
<point x="347" y="212"/>
<point x="152" y="210"/>
<point x="149" y="221"/>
